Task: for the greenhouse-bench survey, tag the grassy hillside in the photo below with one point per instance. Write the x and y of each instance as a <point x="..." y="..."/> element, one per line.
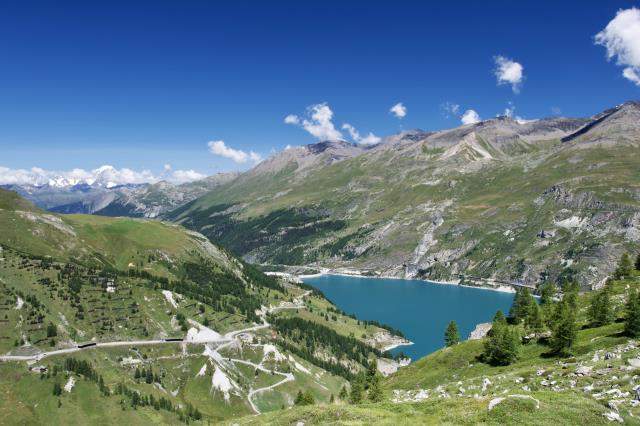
<point x="456" y="386"/>
<point x="72" y="280"/>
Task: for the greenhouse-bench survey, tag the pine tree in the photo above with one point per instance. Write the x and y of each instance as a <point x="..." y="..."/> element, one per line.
<point x="375" y="390"/>
<point x="57" y="389"/>
<point x="625" y="268"/>
<point x="565" y="329"/>
<point x="571" y="290"/>
<point x="632" y="318"/>
<point x="451" y="335"/>
<point x="548" y="291"/>
<point x="344" y="394"/>
<point x="520" y="307"/>
<point x="357" y="390"/>
<point x="637" y="265"/>
<point x="601" y="310"/>
<point x="499" y="318"/>
<point x="332" y="400"/>
<point x="372" y="371"/>
<point x="307" y="398"/>
<point x="503" y="345"/>
<point x="299" y="398"/>
<point x="51" y="330"/>
<point x="534" y="321"/>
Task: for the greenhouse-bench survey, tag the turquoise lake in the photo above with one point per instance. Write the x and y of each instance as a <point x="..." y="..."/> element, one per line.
<point x="421" y="310"/>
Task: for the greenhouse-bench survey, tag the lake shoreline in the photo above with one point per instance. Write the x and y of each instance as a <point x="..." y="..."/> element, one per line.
<point x="500" y="288"/>
<point x="419" y="310"/>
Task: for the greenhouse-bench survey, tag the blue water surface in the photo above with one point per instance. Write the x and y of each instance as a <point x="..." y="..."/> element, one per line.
<point x="421" y="310"/>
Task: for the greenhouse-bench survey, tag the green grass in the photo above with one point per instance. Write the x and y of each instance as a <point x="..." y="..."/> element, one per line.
<point x="554" y="409"/>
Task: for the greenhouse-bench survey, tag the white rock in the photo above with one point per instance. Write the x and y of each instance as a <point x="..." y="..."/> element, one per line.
<point x="584" y="370"/>
<point x="486" y="382"/>
<point x="494" y="402"/>
<point x="614" y="417"/>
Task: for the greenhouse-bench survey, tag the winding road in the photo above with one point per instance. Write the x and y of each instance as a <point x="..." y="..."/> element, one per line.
<point x="223" y="342"/>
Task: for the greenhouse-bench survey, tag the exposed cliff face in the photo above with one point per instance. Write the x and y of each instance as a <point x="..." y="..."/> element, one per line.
<point x="501" y="199"/>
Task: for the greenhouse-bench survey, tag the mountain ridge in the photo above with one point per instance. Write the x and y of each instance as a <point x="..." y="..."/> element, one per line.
<point x="436" y="205"/>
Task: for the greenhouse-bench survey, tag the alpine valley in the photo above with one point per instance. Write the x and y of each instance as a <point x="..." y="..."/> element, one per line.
<point x="186" y="303"/>
<point x="499" y="200"/>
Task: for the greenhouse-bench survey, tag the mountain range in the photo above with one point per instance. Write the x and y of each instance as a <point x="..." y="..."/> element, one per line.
<point x="96" y="196"/>
<point x="499" y="200"/>
<point x="502" y="199"/>
<point x="141" y="321"/>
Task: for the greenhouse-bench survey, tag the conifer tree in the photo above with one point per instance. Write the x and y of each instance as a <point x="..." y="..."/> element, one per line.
<point x="632" y="318"/>
<point x="502" y="346"/>
<point x="308" y="398"/>
<point x="565" y="329"/>
<point x="57" y="389"/>
<point x="624" y="269"/>
<point x="571" y="290"/>
<point x="51" y="330"/>
<point x="534" y="321"/>
<point x="375" y="389"/>
<point x="548" y="291"/>
<point x="344" y="394"/>
<point x="520" y="307"/>
<point x="451" y="335"/>
<point x="372" y="370"/>
<point x="600" y="309"/>
<point x="637" y="265"/>
<point x="357" y="390"/>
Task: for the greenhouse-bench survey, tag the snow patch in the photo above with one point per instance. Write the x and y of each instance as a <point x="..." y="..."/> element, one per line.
<point x="202" y="371"/>
<point x="170" y="297"/>
<point x="70" y="384"/>
<point x="130" y="361"/>
<point x="200" y="333"/>
<point x="19" y="303"/>
<point x="299" y="366"/>
<point x="221" y="382"/>
<point x="269" y="349"/>
<point x="572" y="222"/>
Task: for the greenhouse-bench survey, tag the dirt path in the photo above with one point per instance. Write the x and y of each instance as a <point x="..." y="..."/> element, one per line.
<point x="224" y="341"/>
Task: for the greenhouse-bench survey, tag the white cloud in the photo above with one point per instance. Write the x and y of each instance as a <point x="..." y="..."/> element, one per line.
<point x="399" y="110"/>
<point x="183" y="176"/>
<point x="450" y="109"/>
<point x="106" y="175"/>
<point x="631" y="74"/>
<point x="509" y="110"/>
<point x="221" y="149"/>
<point x="509" y="72"/>
<point x="291" y="119"/>
<point x="370" y="139"/>
<point x="621" y="38"/>
<point x="470" y="117"/>
<point x="318" y="123"/>
<point x="556" y="110"/>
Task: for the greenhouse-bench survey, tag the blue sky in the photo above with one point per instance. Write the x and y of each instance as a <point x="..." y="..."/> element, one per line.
<point x="143" y="84"/>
